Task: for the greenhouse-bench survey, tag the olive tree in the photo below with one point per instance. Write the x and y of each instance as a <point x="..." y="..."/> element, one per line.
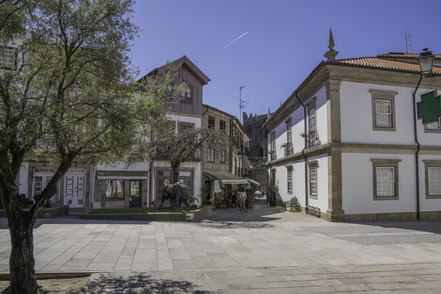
<point x="70" y="95"/>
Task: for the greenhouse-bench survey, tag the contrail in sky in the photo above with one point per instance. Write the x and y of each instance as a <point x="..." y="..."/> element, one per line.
<point x="232" y="42"/>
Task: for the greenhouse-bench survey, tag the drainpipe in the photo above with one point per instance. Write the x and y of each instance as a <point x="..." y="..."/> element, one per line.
<point x="304" y="155"/>
<point x="269" y="174"/>
<point x="418" y="150"/>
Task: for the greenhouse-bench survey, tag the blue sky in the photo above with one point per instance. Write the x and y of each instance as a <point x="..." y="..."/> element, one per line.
<point x="285" y="40"/>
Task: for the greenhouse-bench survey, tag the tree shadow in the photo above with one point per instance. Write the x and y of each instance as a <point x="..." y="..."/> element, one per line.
<point x="140" y="283"/>
<point x="235" y="224"/>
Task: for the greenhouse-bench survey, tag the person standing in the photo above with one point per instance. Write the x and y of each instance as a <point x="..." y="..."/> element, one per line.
<point x="242" y="200"/>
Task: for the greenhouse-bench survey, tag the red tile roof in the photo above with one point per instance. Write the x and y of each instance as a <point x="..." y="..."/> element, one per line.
<point x="382" y="63"/>
<point x="404" y="55"/>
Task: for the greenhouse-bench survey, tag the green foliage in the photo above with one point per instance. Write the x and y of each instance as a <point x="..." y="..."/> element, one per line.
<point x="205" y="192"/>
<point x="294" y="204"/>
<point x="274" y="188"/>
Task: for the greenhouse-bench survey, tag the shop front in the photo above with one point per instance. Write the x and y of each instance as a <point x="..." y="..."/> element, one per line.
<point x="221" y="186"/>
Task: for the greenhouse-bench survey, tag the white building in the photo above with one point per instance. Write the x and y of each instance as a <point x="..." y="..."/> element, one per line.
<point x="343" y="143"/>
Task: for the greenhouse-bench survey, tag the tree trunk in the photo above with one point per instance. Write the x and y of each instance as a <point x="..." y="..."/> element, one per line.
<point x="175" y="174"/>
<point x="21" y="261"/>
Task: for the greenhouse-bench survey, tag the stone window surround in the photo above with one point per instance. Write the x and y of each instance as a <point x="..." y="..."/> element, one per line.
<point x="313" y="164"/>
<point x="385" y="163"/>
<point x="383" y="95"/>
<point x="427" y="164"/>
<point x="289" y="168"/>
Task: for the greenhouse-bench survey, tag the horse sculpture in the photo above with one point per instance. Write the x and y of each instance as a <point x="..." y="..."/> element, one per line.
<point x="176" y="193"/>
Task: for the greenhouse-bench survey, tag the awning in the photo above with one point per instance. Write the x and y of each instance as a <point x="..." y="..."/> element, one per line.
<point x="225" y="177"/>
<point x="253" y="182"/>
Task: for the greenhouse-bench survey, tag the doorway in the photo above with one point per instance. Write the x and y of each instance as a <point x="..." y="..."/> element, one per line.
<point x="135" y="193"/>
<point x="75" y="186"/>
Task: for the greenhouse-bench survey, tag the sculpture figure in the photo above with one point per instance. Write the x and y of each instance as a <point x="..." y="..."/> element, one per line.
<point x="177" y="193"/>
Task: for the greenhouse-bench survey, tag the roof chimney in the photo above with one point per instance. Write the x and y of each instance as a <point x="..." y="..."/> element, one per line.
<point x="269" y="113"/>
<point x="331" y="53"/>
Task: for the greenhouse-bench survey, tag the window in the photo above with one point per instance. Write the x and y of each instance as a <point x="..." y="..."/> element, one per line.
<point x="186" y="177"/>
<point x="289" y="179"/>
<point x="115" y="189"/>
<point x="187" y="95"/>
<point x="383" y="110"/>
<point x="222" y="155"/>
<point x="288" y="146"/>
<point x="170" y="88"/>
<point x="383" y="113"/>
<point x="273" y="146"/>
<point x="385" y="179"/>
<point x="311" y="136"/>
<point x="313" y="190"/>
<point x="211" y="155"/>
<point x="135" y="188"/>
<point x="222" y="125"/>
<point x="433" y="127"/>
<point x="8" y="58"/>
<point x="433" y="179"/>
<point x="211" y="122"/>
<point x="312" y="126"/>
<point x="183" y="127"/>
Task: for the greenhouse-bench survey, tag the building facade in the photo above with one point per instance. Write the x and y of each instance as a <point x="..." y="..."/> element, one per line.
<point x="139" y="184"/>
<point x="258" y="148"/>
<point x="224" y="169"/>
<point x="343" y="143"/>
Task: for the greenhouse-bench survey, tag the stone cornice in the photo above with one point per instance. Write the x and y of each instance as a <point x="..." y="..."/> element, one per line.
<point x="357" y="148"/>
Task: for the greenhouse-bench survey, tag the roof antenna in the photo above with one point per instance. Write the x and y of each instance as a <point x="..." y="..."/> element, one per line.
<point x="408" y="43"/>
<point x="331" y="53"/>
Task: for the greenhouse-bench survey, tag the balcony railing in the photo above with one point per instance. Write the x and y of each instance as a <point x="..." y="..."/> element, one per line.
<point x="288" y="149"/>
<point x="312" y="139"/>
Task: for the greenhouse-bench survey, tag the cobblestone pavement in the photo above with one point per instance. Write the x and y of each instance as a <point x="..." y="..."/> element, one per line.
<point x="264" y="251"/>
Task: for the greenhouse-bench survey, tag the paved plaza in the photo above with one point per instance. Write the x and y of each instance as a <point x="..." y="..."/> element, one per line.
<point x="265" y="251"/>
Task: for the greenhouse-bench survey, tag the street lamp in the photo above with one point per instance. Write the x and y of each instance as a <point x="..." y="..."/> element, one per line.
<point x="425" y="60"/>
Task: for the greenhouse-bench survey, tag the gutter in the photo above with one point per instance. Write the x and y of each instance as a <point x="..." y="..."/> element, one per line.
<point x="418" y="150"/>
<point x="303" y="153"/>
<point x="269" y="174"/>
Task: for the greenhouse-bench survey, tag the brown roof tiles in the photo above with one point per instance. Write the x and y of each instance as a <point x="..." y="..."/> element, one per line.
<point x="381" y="63"/>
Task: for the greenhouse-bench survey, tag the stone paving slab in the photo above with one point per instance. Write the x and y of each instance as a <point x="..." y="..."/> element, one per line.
<point x="266" y="250"/>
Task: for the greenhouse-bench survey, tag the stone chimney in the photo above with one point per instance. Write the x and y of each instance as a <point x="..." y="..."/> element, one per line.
<point x="331" y="53"/>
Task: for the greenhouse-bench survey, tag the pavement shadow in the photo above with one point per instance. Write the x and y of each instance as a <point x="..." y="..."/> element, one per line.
<point x="421" y="226"/>
<point x="140" y="283"/>
<point x="74" y="219"/>
<point x="260" y="213"/>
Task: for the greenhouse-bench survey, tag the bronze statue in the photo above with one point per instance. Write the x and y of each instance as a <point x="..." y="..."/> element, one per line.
<point x="177" y="193"/>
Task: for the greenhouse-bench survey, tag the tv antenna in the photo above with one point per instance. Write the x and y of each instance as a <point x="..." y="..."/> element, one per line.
<point x="242" y="103"/>
<point x="408" y="43"/>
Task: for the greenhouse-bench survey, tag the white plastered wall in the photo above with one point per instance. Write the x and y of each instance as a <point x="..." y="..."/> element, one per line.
<point x="357" y="122"/>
